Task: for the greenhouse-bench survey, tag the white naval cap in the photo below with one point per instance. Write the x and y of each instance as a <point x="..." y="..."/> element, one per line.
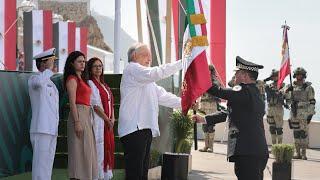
<point x="46" y="54"/>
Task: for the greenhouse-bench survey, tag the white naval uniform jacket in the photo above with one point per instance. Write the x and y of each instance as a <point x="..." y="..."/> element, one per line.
<point x="44" y="97"/>
<point x="141" y="97"/>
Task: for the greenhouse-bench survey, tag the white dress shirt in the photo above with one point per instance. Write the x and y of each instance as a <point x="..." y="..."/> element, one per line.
<point x="141" y="97"/>
<point x="44" y="97"/>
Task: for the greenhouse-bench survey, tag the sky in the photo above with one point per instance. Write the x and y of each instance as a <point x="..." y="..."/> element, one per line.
<point x="254" y="32"/>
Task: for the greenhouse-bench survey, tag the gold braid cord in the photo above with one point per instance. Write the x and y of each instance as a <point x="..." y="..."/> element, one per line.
<point x="197" y="19"/>
<point x="199" y="41"/>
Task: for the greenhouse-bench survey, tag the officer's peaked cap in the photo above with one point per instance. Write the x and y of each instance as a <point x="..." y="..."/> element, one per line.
<point x="46" y="54"/>
<point x="242" y="64"/>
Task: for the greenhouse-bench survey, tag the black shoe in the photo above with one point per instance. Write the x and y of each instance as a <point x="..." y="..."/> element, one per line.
<point x="297" y="157"/>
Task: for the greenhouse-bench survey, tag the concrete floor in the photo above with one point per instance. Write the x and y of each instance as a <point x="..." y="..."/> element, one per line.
<point x="215" y="166"/>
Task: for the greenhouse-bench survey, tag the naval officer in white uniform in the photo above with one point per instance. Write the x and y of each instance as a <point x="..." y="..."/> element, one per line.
<point x="44" y="99"/>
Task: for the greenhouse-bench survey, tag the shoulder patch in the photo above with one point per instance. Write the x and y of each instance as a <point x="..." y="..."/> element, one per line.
<point x="308" y="83"/>
<point x="237" y="88"/>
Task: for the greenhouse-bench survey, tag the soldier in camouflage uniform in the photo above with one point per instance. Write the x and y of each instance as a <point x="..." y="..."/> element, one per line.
<point x="208" y="105"/>
<point x="301" y="98"/>
<point x="275" y="99"/>
<point x="261" y="87"/>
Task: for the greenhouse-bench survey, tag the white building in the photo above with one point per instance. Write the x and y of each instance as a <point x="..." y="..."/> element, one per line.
<point x="106" y="57"/>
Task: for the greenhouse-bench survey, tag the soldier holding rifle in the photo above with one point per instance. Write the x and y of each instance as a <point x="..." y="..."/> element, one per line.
<point x="300" y="95"/>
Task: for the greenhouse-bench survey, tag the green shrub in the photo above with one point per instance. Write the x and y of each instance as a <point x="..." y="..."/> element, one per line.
<point x="283" y="153"/>
<point x="182" y="127"/>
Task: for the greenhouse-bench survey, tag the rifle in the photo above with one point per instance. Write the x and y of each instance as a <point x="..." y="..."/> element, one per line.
<point x="294" y="107"/>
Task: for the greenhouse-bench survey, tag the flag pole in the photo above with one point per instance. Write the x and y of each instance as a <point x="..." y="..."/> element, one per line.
<point x="117" y="28"/>
<point x="195" y="132"/>
<point x="168" y="31"/>
<point x="195" y="129"/>
<point x="293" y="104"/>
<point x="139" y="21"/>
<point x="286" y="27"/>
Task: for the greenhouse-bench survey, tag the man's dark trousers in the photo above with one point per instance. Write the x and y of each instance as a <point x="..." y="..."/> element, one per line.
<point x="250" y="167"/>
<point x="137" y="154"/>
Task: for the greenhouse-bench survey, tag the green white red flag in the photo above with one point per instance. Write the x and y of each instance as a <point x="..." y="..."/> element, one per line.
<point x="197" y="78"/>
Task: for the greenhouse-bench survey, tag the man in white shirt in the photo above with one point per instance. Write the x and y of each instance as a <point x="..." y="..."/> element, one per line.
<point x="139" y="108"/>
<point x="44" y="98"/>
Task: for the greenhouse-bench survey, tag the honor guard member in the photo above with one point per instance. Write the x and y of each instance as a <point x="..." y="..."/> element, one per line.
<point x="301" y="97"/>
<point x="44" y="99"/>
<point x="275" y="99"/>
<point x="209" y="105"/>
<point x="247" y="146"/>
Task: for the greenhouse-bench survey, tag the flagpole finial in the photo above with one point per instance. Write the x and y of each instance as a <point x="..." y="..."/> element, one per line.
<point x="285" y="25"/>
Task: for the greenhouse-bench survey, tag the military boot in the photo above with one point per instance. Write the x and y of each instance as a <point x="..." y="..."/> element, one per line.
<point x="206" y="143"/>
<point x="274" y="138"/>
<point x="210" y="144"/>
<point x="298" y="155"/>
<point x="279" y="139"/>
<point x="304" y="154"/>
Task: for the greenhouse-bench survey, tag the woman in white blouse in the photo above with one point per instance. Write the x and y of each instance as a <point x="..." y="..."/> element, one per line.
<point x="102" y="102"/>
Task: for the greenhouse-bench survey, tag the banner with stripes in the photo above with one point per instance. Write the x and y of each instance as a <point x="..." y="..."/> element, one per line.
<point x="285" y="62"/>
<point x="8" y="35"/>
<point x="215" y="11"/>
<point x="82" y="40"/>
<point x="37" y="30"/>
<point x="64" y="40"/>
<point x="197" y="79"/>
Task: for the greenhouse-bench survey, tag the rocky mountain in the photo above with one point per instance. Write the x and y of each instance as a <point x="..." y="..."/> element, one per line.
<point x="95" y="36"/>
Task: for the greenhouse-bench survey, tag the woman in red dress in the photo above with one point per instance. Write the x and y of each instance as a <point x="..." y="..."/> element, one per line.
<point x="82" y="153"/>
<point x="103" y="107"/>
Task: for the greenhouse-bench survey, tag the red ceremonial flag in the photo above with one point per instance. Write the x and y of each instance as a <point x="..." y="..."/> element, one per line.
<point x="285" y="63"/>
<point x="197" y="78"/>
<point x="8" y="35"/>
<point x="217" y="37"/>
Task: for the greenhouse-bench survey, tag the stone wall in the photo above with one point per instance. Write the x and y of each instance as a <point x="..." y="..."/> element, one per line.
<point x="70" y="10"/>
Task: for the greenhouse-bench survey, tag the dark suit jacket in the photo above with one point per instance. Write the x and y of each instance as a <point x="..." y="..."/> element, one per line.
<point x="246" y="113"/>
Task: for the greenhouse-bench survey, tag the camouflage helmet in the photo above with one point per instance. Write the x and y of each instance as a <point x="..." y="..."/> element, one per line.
<point x="301" y="71"/>
<point x="274" y="72"/>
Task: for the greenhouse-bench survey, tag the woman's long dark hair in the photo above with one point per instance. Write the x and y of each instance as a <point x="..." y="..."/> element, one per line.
<point x="90" y="66"/>
<point x="69" y="68"/>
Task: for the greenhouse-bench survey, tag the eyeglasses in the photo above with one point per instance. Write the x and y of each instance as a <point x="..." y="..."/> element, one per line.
<point x="97" y="66"/>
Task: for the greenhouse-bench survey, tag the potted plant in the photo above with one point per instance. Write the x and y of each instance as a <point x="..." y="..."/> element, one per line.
<point x="281" y="168"/>
<point x="177" y="165"/>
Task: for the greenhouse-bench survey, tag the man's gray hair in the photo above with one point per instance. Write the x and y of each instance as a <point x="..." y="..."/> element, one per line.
<point x="134" y="48"/>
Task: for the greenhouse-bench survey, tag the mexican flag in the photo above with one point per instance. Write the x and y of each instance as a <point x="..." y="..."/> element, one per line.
<point x="197" y="78"/>
<point x="37" y="30"/>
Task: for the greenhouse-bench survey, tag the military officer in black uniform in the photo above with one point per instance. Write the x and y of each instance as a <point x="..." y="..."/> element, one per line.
<point x="247" y="146"/>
